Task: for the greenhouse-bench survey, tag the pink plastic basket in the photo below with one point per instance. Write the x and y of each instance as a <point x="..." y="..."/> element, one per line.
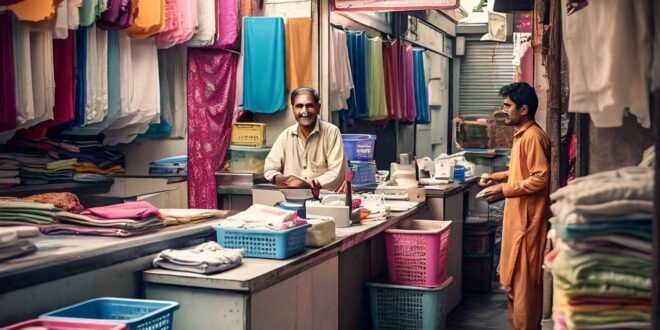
<point x="66" y="325"/>
<point x="417" y="252"/>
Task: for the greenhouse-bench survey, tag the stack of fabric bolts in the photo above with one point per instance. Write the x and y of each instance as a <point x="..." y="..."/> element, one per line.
<point x="121" y="220"/>
<point x="15" y="211"/>
<point x="602" y="262"/>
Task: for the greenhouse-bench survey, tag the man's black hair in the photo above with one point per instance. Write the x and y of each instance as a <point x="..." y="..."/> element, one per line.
<point x="522" y="93"/>
<point x="305" y="90"/>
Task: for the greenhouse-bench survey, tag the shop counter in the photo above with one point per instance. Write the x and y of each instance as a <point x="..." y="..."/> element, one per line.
<point x="319" y="289"/>
<point x="68" y="269"/>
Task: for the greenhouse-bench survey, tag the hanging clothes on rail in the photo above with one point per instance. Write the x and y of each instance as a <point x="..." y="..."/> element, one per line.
<point x="9" y="2"/>
<point x="7" y="77"/>
<point x="376" y="100"/>
<point x="298" y="53"/>
<point x="167" y="94"/>
<point x="264" y="84"/>
<point x="357" y="49"/>
<point x="341" y="78"/>
<point x="81" y="76"/>
<point x="97" y="76"/>
<point x="43" y="76"/>
<point x="35" y="10"/>
<point x="114" y="94"/>
<point x="408" y="85"/>
<point x="180" y="23"/>
<point x="211" y="88"/>
<point x="149" y="18"/>
<point x="421" y="89"/>
<point x="144" y="102"/>
<point x="206" y="24"/>
<point x="392" y="79"/>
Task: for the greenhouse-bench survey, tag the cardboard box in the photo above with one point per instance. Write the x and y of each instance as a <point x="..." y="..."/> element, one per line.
<point x="249" y="135"/>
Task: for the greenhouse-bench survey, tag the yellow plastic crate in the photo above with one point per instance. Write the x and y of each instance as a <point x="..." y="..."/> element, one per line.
<point x="249" y="135"/>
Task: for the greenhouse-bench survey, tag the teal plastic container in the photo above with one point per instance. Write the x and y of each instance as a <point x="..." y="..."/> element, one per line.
<point x="403" y="307"/>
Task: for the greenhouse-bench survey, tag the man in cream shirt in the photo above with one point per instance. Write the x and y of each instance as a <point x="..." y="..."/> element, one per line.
<point x="309" y="153"/>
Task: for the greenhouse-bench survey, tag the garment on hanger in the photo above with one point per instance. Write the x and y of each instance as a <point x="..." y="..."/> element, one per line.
<point x="9" y="2"/>
<point x="408" y="84"/>
<point x="164" y="127"/>
<point x="264" y="84"/>
<point x="604" y="81"/>
<point x="43" y="77"/>
<point x="88" y="12"/>
<point x="392" y="79"/>
<point x="376" y="100"/>
<point x="7" y="77"/>
<point x="211" y="88"/>
<point x="35" y="10"/>
<point x="81" y="75"/>
<point x="61" y="21"/>
<point x="341" y="78"/>
<point x="228" y="24"/>
<point x="206" y="24"/>
<point x="149" y="18"/>
<point x="97" y="76"/>
<point x="298" y="53"/>
<point x="421" y="89"/>
<point x="357" y="48"/>
<point x="73" y="13"/>
<point x="118" y="16"/>
<point x="181" y="20"/>
<point x="177" y="73"/>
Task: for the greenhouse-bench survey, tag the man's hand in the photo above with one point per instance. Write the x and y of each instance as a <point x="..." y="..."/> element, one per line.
<point x="294" y="182"/>
<point x="487" y="181"/>
<point x="493" y="193"/>
<point x="280" y="180"/>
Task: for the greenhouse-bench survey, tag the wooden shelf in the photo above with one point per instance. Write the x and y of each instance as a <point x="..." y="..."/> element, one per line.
<point x="72" y="187"/>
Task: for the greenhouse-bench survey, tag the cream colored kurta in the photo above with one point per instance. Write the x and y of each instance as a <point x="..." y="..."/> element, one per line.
<point x="526" y="216"/>
<point x="320" y="157"/>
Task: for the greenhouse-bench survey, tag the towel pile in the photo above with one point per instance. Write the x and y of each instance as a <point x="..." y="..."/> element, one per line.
<point x="120" y="220"/>
<point x="14" y="242"/>
<point x="602" y="263"/>
<point x="14" y="211"/>
<point x="264" y="217"/>
<point x="207" y="258"/>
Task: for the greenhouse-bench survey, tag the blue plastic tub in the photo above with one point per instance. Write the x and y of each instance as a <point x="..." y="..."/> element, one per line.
<point x="137" y="314"/>
<point x="404" y="307"/>
<point x="364" y="173"/>
<point x="359" y="146"/>
<point x="264" y="243"/>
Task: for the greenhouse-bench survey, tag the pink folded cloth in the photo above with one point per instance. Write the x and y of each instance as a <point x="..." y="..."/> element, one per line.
<point x="130" y="210"/>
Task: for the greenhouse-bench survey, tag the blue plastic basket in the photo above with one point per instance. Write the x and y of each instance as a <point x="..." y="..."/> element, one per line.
<point x="264" y="243"/>
<point x="137" y="314"/>
<point x="400" y="307"/>
<point x="363" y="172"/>
<point x="359" y="146"/>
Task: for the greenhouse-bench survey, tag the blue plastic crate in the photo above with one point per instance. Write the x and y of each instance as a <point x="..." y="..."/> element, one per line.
<point x="137" y="314"/>
<point x="364" y="173"/>
<point x="401" y="307"/>
<point x="359" y="146"/>
<point x="264" y="243"/>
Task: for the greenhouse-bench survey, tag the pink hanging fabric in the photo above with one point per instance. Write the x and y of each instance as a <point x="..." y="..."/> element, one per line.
<point x="407" y="85"/>
<point x="211" y="102"/>
<point x="228" y="24"/>
<point x="392" y="81"/>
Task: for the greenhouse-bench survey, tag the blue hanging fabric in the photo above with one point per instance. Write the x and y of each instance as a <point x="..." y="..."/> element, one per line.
<point x="81" y="76"/>
<point x="421" y="92"/>
<point x="114" y="94"/>
<point x="357" y="55"/>
<point x="264" y="87"/>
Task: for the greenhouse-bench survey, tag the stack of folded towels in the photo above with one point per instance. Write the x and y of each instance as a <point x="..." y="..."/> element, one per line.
<point x="173" y="217"/>
<point x="264" y="217"/>
<point x="602" y="262"/>
<point x="14" y="242"/>
<point x="15" y="211"/>
<point x="207" y="258"/>
<point x="121" y="220"/>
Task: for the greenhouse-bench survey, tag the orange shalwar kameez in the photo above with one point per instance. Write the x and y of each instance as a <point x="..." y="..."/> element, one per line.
<point x="526" y="214"/>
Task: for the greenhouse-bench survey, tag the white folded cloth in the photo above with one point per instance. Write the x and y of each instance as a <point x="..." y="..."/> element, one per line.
<point x="206" y="258"/>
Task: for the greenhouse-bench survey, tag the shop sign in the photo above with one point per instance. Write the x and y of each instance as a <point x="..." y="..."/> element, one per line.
<point x="394" y="5"/>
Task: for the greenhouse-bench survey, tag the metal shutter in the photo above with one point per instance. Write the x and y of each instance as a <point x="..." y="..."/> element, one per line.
<point x="485" y="68"/>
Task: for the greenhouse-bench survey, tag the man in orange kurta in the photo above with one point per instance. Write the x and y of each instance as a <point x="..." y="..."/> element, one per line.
<point x="526" y="212"/>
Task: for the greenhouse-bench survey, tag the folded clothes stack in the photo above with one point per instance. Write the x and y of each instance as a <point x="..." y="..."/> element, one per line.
<point x="173" y="217"/>
<point x="207" y="258"/>
<point x="9" y="174"/>
<point x="602" y="262"/>
<point x="14" y="211"/>
<point x="14" y="242"/>
<point x="120" y="220"/>
<point x="264" y="217"/>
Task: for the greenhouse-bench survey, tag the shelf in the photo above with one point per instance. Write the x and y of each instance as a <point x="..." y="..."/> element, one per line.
<point x="72" y="187"/>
